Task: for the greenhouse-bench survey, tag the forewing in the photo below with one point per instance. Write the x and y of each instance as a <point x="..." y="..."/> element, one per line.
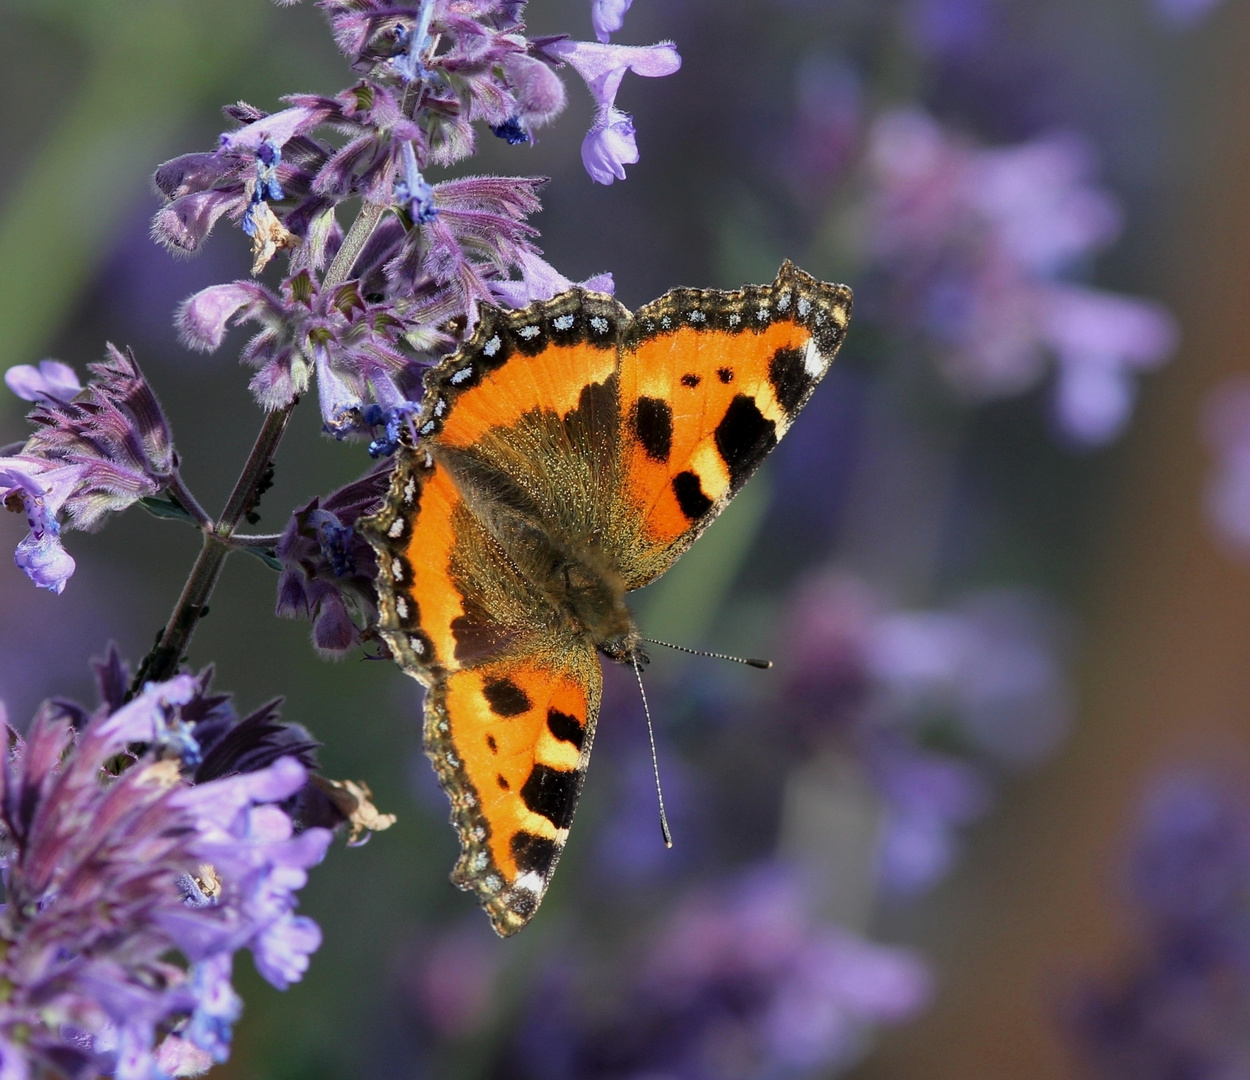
<point x="709" y="382"/>
<point x="526" y="414"/>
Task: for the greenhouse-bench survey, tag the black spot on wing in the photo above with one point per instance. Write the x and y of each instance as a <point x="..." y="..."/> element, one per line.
<point x="743" y="438"/>
<point x="690" y="495"/>
<point x="653" y="424"/>
<point x="566" y="728"/>
<point x="533" y="853"/>
<point x="690" y="379"/>
<point x="494" y="746"/>
<point x="502" y="781"/>
<point x="725" y="374"/>
<point x="551" y="793"/>
<point x="505" y="698"/>
<point x="789" y="378"/>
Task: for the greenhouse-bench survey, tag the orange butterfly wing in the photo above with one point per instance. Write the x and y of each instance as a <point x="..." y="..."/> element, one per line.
<point x="710" y="381"/>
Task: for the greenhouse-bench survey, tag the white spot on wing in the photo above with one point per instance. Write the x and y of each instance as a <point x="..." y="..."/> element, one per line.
<point x="530" y="882"/>
<point x="401" y="608"/>
<point x="463" y="374"/>
<point x="397" y="526"/>
<point x="666" y="322"/>
<point x="762" y="314"/>
<point x="440" y="406"/>
<point x="813" y="362"/>
<point x="697" y="317"/>
<point x="805" y="305"/>
<point x="397" y="570"/>
<point x="529" y="332"/>
<point x="563" y="322"/>
<point x="600" y="324"/>
<point x="492" y="346"/>
<point x="735" y="319"/>
<point x="428" y="427"/>
<point x="783" y="302"/>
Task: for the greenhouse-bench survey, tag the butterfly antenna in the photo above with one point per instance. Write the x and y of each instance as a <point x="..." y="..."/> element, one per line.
<point x="655" y="760"/>
<point x="749" y="661"/>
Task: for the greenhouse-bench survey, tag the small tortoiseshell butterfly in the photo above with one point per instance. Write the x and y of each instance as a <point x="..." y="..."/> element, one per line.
<point x="565" y="455"/>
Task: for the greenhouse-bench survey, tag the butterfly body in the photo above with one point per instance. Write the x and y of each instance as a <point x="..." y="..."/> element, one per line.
<point x="567" y="454"/>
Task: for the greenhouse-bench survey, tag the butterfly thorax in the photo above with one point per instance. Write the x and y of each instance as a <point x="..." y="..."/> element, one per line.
<point x="589" y="599"/>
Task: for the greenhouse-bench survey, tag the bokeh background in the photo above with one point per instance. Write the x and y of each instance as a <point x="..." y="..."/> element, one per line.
<point x="1005" y="593"/>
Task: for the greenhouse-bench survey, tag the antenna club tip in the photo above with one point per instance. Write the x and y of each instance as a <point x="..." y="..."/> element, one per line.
<point x="763" y="664"/>
<point x="668" y="843"/>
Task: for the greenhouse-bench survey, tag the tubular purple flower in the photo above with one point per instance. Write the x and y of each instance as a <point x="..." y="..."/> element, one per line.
<point x="276" y="130"/>
<point x="51" y="381"/>
<point x="541" y="281"/>
<point x="609" y="146"/>
<point x="610" y="143"/>
<point x="539" y="91"/>
<point x="607" y="17"/>
<point x="40" y="489"/>
<point x="202" y="318"/>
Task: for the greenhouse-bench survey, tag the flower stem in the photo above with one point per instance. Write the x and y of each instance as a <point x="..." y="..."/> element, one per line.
<point x="166" y="656"/>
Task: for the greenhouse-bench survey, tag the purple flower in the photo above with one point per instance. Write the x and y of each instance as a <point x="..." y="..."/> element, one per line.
<point x="610" y="144"/>
<point x="329" y="566"/>
<point x="1179" y="1008"/>
<point x="541" y="281"/>
<point x="51" y="381"/>
<point x="119" y="935"/>
<point x="973" y="243"/>
<point x="30" y="485"/>
<point x="93" y="452"/>
<point x="1100" y="340"/>
<point x="607" y="17"/>
<point x="739" y="981"/>
<point x="927" y="797"/>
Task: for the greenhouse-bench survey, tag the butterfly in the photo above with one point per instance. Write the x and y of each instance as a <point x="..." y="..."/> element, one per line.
<point x="566" y="454"/>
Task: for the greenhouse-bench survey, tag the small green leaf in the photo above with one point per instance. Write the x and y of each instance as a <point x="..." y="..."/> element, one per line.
<point x="266" y="556"/>
<point x="166" y="508"/>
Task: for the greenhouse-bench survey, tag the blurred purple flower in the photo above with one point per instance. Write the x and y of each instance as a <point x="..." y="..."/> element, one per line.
<point x="983" y="675"/>
<point x="111" y="930"/>
<point x="607" y="17"/>
<point x="1227" y="429"/>
<point x="609" y="145"/>
<point x="1182" y="1006"/>
<point x="928" y="796"/>
<point x="948" y="27"/>
<point x="450" y="980"/>
<point x="973" y="242"/>
<point x="739" y="981"/>
<point x="51" y="381"/>
<point x="828" y="121"/>
<point x="991" y="661"/>
<point x="1185" y="13"/>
